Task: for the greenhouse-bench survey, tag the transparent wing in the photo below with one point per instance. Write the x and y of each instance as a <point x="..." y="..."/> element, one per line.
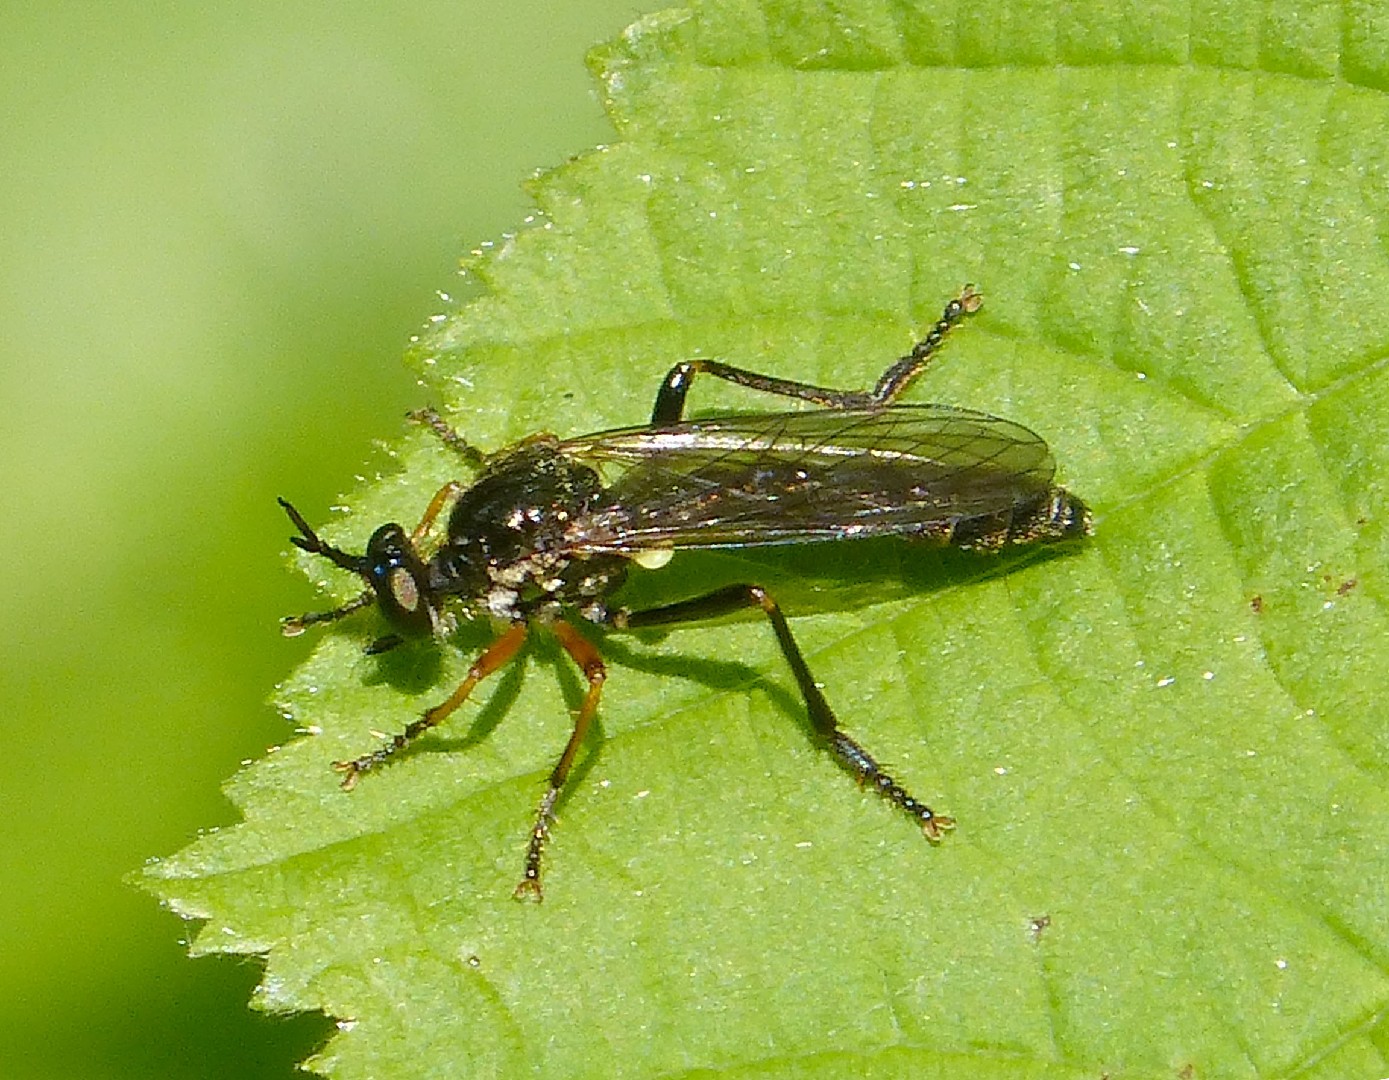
<point x="816" y="475"/>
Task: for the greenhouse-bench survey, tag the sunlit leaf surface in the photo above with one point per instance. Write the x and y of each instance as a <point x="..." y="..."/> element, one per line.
<point x="1167" y="752"/>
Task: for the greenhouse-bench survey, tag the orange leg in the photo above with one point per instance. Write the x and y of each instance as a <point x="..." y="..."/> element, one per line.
<point x="583" y="653"/>
<point x="445" y="494"/>
<point x="495" y="656"/>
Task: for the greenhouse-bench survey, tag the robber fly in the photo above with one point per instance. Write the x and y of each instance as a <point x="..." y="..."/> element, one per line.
<point x="538" y="537"/>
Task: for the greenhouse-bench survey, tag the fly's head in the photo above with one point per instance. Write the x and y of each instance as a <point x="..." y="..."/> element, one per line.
<point x="397" y="579"/>
<point x="396" y="574"/>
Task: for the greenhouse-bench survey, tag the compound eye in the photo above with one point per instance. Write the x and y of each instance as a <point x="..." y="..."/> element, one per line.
<point x="399" y="578"/>
<point x="404" y="589"/>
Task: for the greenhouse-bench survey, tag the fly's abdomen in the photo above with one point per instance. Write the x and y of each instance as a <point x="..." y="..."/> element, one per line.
<point x="1054" y="516"/>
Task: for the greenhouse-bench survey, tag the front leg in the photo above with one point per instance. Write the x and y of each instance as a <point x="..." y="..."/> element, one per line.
<point x="431" y="419"/>
<point x="495" y="656"/>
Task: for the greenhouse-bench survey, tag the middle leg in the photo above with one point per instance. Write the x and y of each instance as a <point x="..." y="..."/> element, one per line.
<point x="590" y="662"/>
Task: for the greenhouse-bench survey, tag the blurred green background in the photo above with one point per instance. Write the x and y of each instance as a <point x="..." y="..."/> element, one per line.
<point x="219" y="226"/>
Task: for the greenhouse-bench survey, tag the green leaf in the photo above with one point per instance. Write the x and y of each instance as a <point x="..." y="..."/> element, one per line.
<point x="1167" y="752"/>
